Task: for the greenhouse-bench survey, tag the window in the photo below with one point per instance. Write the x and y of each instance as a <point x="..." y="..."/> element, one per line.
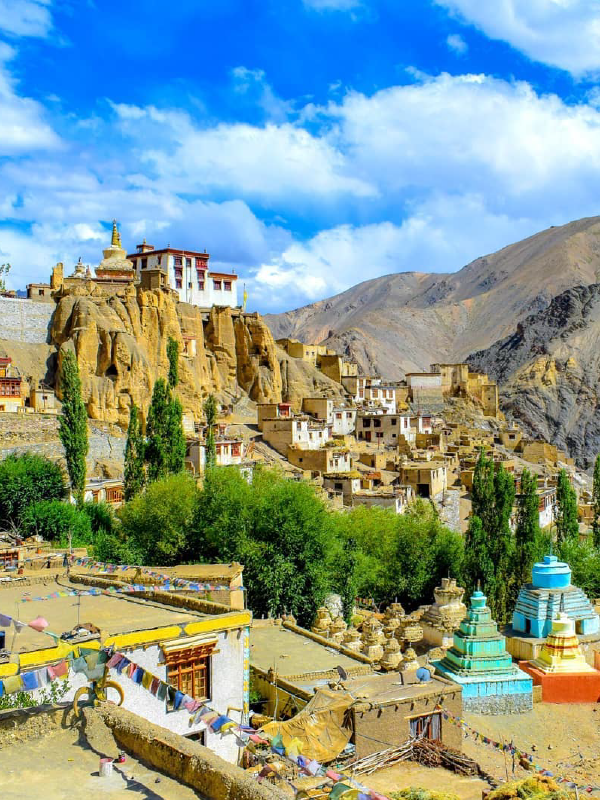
<point x="348" y="415"/>
<point x="188" y="263"/>
<point x="178" y="261"/>
<point x="366" y="423"/>
<point x="377" y="423"/>
<point x="159" y="260"/>
<point x="338" y="415"/>
<point x="188" y="671"/>
<point x="217" y="286"/>
<point x="201" y="285"/>
<point x="190" y="285"/>
<point x="178" y="283"/>
<point x="227" y="286"/>
<point x="200" y="264"/>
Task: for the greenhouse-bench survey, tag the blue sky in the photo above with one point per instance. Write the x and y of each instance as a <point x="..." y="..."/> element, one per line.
<point x="307" y="144"/>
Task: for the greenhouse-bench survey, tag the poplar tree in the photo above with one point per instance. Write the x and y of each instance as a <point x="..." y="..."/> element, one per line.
<point x="135" y="474"/>
<point x="502" y="544"/>
<point x="157" y="427"/>
<point x="478" y="564"/>
<point x="565" y="510"/>
<point x="175" y="442"/>
<point x="210" y="412"/>
<point x="527" y="530"/>
<point x="596" y="503"/>
<point x="173" y="356"/>
<point x="72" y="428"/>
<point x="165" y="440"/>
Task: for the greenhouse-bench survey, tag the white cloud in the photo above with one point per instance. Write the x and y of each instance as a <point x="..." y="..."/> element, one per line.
<point x="333" y="5"/>
<point x="22" y="120"/>
<point x="472" y="133"/>
<point x="253" y="85"/>
<point x="441" y="234"/>
<point x="561" y="33"/>
<point x="457" y="44"/>
<point x="273" y="161"/>
<point x="25" y="17"/>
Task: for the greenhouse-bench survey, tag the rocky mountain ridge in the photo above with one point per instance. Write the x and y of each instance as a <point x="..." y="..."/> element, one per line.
<point x="406" y="321"/>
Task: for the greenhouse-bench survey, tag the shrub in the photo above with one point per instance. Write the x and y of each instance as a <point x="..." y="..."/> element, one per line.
<point x="27" y="479"/>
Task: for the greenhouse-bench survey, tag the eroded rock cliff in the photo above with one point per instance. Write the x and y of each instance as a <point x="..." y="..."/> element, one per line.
<point x="120" y="342"/>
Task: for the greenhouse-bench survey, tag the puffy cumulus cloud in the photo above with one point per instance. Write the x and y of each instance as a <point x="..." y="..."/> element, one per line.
<point x="472" y="133"/>
<point x="252" y="84"/>
<point x="23" y="125"/>
<point x="457" y="44"/>
<point x="275" y="161"/>
<point x="440" y="234"/>
<point x="25" y="17"/>
<point x="561" y="33"/>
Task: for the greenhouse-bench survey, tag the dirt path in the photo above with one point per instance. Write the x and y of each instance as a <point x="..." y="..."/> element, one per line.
<point x="58" y="768"/>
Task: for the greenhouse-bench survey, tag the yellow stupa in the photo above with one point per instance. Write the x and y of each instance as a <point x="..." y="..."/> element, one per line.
<point x="561" y="653"/>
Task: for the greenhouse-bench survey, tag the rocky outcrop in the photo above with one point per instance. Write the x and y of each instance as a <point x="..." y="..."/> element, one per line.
<point x="549" y="372"/>
<point x="120" y="342"/>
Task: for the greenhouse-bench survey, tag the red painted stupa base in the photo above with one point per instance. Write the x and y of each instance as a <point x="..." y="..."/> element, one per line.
<point x="574" y="687"/>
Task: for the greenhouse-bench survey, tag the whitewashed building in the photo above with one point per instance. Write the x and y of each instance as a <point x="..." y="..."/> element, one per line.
<point x="188" y="274"/>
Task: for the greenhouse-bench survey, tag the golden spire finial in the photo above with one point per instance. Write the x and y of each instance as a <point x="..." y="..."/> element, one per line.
<point x="116" y="236"/>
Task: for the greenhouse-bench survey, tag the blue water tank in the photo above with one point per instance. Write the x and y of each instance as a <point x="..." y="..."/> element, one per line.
<point x="551" y="574"/>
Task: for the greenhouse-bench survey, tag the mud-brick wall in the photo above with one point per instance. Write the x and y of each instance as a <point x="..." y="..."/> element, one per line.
<point x="25" y="320"/>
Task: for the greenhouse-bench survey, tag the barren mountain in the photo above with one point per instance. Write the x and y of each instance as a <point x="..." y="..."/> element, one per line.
<point x="406" y="321"/>
<point x="549" y="371"/>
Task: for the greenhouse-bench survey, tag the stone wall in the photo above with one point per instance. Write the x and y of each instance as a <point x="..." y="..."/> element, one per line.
<point x="19" y="725"/>
<point x="25" y="320"/>
<point x="182" y="759"/>
<point x="499" y="704"/>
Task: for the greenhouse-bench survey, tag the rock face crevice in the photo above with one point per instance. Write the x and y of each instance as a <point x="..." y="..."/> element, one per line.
<point x="549" y="372"/>
<point x="120" y="343"/>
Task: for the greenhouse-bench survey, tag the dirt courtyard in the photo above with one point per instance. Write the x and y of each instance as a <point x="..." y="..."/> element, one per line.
<point x="564" y="739"/>
<point x="57" y="767"/>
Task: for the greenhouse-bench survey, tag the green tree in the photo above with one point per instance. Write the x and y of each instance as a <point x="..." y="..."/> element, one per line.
<point x="502" y="545"/>
<point x="175" y="442"/>
<point x="173" y="356"/>
<point x="73" y="424"/>
<point x="59" y="522"/>
<point x="4" y="270"/>
<point x="165" y="440"/>
<point x="210" y="412"/>
<point x="27" y="479"/>
<point x="279" y="529"/>
<point x="155" y="525"/>
<point x="135" y="474"/>
<point x="565" y="511"/>
<point x="596" y="503"/>
<point x="527" y="530"/>
<point x="478" y="563"/>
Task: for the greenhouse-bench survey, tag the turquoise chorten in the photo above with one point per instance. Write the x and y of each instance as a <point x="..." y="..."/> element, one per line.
<point x="479" y="662"/>
<point x="549" y="592"/>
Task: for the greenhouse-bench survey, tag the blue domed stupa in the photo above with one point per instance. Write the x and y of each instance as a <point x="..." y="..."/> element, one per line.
<point x="479" y="662"/>
<point x="549" y="592"/>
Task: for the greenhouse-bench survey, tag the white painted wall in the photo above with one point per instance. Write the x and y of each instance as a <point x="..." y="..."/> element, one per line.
<point x="227" y="690"/>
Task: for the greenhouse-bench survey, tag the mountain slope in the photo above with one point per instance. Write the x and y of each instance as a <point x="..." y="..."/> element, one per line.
<point x="405" y="321"/>
<point x="549" y="371"/>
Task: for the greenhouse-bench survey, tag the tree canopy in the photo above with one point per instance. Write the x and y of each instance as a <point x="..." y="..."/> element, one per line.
<point x="73" y="424"/>
<point x="27" y="479"/>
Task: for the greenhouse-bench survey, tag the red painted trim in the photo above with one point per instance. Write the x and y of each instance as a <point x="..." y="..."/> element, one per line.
<point x="171" y="251"/>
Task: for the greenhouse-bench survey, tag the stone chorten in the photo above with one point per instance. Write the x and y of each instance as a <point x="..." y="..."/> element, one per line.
<point x="442" y="618"/>
<point x="322" y="623"/>
<point x="562" y="653"/>
<point x="540" y="601"/>
<point x="392" y="657"/>
<point x="479" y="662"/>
<point x="115" y="265"/>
